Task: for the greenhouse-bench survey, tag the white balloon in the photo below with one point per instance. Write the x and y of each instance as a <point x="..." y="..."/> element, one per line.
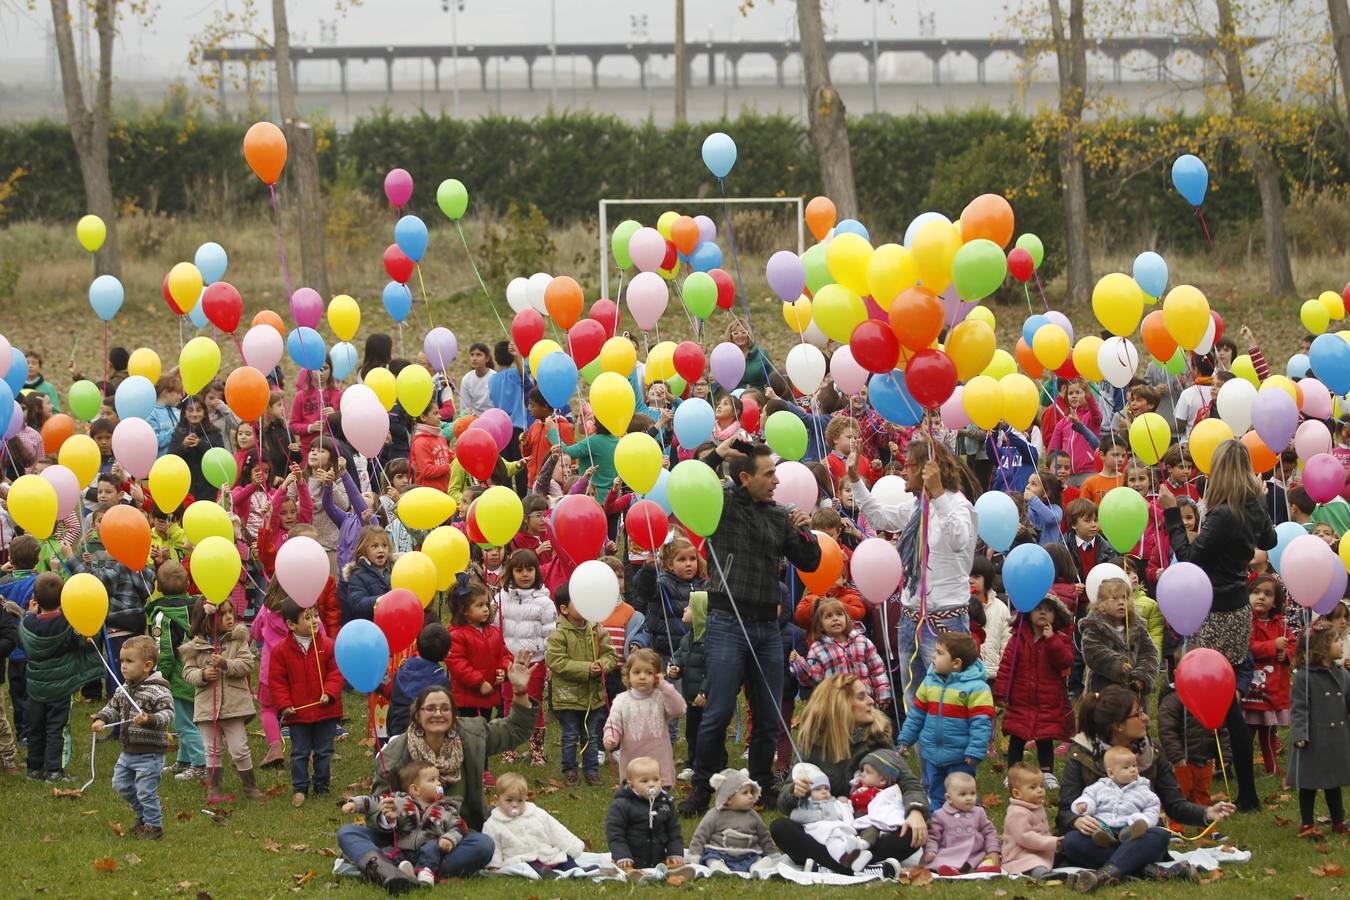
<point x="1118" y="361"/>
<point x="356" y="394"/>
<point x="517" y="296"/>
<point x="262" y="348"/>
<point x="594" y="590"/>
<point x="1207" y="342"/>
<point x="1102" y="572"/>
<point x="814" y="335"/>
<point x="890" y="491"/>
<point x="534" y="291"/>
<point x="806" y="367"/>
<point x="1234" y="404"/>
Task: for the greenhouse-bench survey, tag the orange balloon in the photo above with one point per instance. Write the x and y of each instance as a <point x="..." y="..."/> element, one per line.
<point x="125" y="533"/>
<point x="265" y="151"/>
<point x="247" y="393"/>
<point x="987" y="216"/>
<point x="820" y="216"/>
<point x="1263" y="458"/>
<point x="563" y="300"/>
<point x="1157" y="338"/>
<point x="267" y="317"/>
<point x="831" y="564"/>
<point x="916" y="317"/>
<point x="684" y="234"/>
<point x="1027" y="359"/>
<point x="55" y="431"/>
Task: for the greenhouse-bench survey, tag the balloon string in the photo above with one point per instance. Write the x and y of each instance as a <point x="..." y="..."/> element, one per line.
<point x="425" y="299"/>
<point x="1036" y="275"/>
<point x="1026" y="291"/>
<point x="476" y="274"/>
<point x="105" y="358"/>
<point x="1232" y="288"/>
<point x="1223" y="769"/>
<point x="281" y="244"/>
<point x="731" y="239"/>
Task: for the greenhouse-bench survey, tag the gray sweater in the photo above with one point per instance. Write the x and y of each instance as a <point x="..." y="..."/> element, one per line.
<point x="153" y="697"/>
<point x="733" y="832"/>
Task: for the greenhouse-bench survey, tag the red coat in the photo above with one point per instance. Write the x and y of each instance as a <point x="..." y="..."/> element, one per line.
<point x="430" y="459"/>
<point x="1269" y="691"/>
<point x="1030" y="683"/>
<point x="298" y="678"/>
<point x="330" y="614"/>
<point x="475" y="656"/>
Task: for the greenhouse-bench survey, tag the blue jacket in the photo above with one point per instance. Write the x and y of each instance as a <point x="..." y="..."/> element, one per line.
<point x="508" y="394"/>
<point x="164" y="419"/>
<point x="365" y="585"/>
<point x="1014" y="458"/>
<point x="952" y="716"/>
<point x="411" y="678"/>
<point x="19" y="588"/>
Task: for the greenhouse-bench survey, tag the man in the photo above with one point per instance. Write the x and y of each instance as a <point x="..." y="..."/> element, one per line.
<point x="742" y="642"/>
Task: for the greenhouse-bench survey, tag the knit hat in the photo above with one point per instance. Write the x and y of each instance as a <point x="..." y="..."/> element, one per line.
<point x="886" y="762"/>
<point x="810" y="773"/>
<point x="728" y="782"/>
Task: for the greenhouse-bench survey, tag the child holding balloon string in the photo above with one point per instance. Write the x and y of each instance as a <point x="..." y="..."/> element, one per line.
<point x="1319" y="753"/>
<point x="1115" y="642"/>
<point x="1266" y="702"/>
<point x="837" y="646"/>
<point x="478" y="659"/>
<point x="307" y="685"/>
<point x="269" y="630"/>
<point x="192" y="437"/>
<point x="321" y="471"/>
<point x="288" y="507"/>
<point x="527" y="617"/>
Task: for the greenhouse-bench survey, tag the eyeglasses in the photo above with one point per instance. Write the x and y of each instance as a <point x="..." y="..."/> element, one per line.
<point x="438" y="709"/>
<point x="1138" y="714"/>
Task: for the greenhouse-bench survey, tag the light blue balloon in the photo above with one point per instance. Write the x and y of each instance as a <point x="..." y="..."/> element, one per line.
<point x="658" y="492"/>
<point x="1191" y="178"/>
<point x="853" y="226"/>
<point x="18" y="370"/>
<point x="706" y="257"/>
<point x="211" y="261"/>
<point x="197" y="316"/>
<point x="1298" y="366"/>
<point x="135" y="398"/>
<point x="362" y="654"/>
<point x="306" y="348"/>
<point x="1285" y="532"/>
<point x="694" y="421"/>
<point x="1150" y="270"/>
<point x="557" y="379"/>
<point x="1028" y="573"/>
<point x="1330" y="360"/>
<point x="397" y="301"/>
<point x="105" y="296"/>
<point x="997" y="514"/>
<point x="343" y="355"/>
<point x="719" y="153"/>
<point x="921" y="220"/>
<point x="411" y="236"/>
<point x="1030" y="326"/>
<point x="7" y="408"/>
<point x="891" y="399"/>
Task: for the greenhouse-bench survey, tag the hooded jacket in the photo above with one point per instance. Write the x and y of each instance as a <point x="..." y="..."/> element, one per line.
<point x="1030" y="682"/>
<point x="169" y="626"/>
<point x="690" y="657"/>
<point x="952" y="716"/>
<point x="1105" y="651"/>
<point x="532" y="836"/>
<point x="662" y="599"/>
<point x="569" y="654"/>
<point x="643" y="830"/>
<point x="475" y="656"/>
<point x="527" y="617"/>
<point x="411" y="678"/>
<point x="229" y="696"/>
<point x="59" y="659"/>
<point x="153" y="697"/>
<point x="365" y="585"/>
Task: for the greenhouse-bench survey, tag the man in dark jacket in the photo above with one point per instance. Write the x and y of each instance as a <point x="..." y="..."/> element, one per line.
<point x="9" y="639"/>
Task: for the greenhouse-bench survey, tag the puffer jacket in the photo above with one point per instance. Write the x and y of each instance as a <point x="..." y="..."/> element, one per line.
<point x="475" y="656"/>
<point x="532" y="836"/>
<point x="229" y="696"/>
<point x="415" y="674"/>
<point x="1118" y="805"/>
<point x="150" y="695"/>
<point x="646" y="831"/>
<point x="569" y="655"/>
<point x="59" y="659"/>
<point x="1105" y="652"/>
<point x="662" y="598"/>
<point x="952" y="717"/>
<point x="527" y="618"/>
<point x="1181" y="735"/>
<point x="1030" y="682"/>
<point x="365" y="585"/>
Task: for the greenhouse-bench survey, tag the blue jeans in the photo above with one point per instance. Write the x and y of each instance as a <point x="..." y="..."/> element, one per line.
<point x="587" y="727"/>
<point x="1128" y="858"/>
<point x="738" y="862"/>
<point x="136" y="778"/>
<point x="191" y="747"/>
<point x="732" y="663"/>
<point x="936" y="776"/>
<point x="471" y="854"/>
<point x="314" y="738"/>
<point x="914" y="668"/>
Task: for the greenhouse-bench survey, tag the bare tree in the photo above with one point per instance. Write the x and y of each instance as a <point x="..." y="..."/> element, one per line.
<point x="1071" y="55"/>
<point x="1340" y="40"/>
<point x="825" y="108"/>
<point x="681" y="67"/>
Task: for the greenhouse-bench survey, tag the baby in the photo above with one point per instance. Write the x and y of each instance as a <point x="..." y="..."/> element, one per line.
<point x="524" y="833"/>
<point x="960" y="836"/>
<point x="879" y="771"/>
<point x="642" y="827"/>
<point x="1123" y="803"/>
<point x="829" y="819"/>
<point x="425" y="823"/>
<point x="732" y="837"/>
<point x="1028" y="846"/>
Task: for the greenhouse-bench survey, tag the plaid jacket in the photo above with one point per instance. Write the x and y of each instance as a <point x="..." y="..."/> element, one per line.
<point x="128" y="589"/>
<point x="854" y="655"/>
<point x="749" y="544"/>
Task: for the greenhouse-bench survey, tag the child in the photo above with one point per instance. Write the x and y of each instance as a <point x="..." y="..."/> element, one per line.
<point x="421" y="670"/>
<point x="1115" y="451"/>
<point x="666" y="593"/>
<point x="594" y="450"/>
<point x="307" y="688"/>
<point x="1144" y="605"/>
<point x="878" y="802"/>
<point x="1116" y="645"/>
<point x="527" y="618"/>
<point x="367" y="576"/>
<point x="269" y="630"/>
<point x="952" y="717"/>
<point x="828" y="819"/>
<point x="1030" y="685"/>
<point x="838" y="646"/>
<point x="524" y="833"/>
<point x="1177" y="463"/>
<point x="478" y="658"/>
<point x="425" y="823"/>
<point x="997" y="625"/>
<point x="1190" y="746"/>
<point x="637" y="723"/>
<point x="1123" y="803"/>
<point x="1084" y="538"/>
<point x="1028" y="846"/>
<point x="285" y="511"/>
<point x="218" y="662"/>
<point x="430" y="452"/>
<point x="1265" y="705"/>
<point x="1055" y="464"/>
<point x="165" y="415"/>
<point x="1319" y="755"/>
<point x="1044" y="500"/>
<point x="535" y="443"/>
<point x="170" y="616"/>
<point x="960" y="836"/>
<point x="192" y="437"/>
<point x="474" y="399"/>
<point x="840" y="436"/>
<point x="642" y="827"/>
<point x="732" y="837"/>
<point x="689" y="665"/>
<point x="320" y="472"/>
<point x="579" y="654"/>
<point x="143" y="705"/>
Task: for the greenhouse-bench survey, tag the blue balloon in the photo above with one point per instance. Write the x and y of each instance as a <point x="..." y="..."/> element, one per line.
<point x="211" y="261"/>
<point x="853" y="226"/>
<point x="1330" y="360"/>
<point x="1030" y="326"/>
<point x="397" y="301"/>
<point x="106" y="295"/>
<point x="1191" y="178"/>
<point x="706" y="257"/>
<point x="344" y="360"/>
<point x="7" y="408"/>
<point x="1285" y="532"/>
<point x="18" y="370"/>
<point x="921" y="220"/>
<point x="658" y="492"/>
<point x="362" y="654"/>
<point x="197" y="316"/>
<point x="557" y="379"/>
<point x="694" y="422"/>
<point x="1150" y="270"/>
<point x="306" y="348"/>
<point x="997" y="514"/>
<point x="891" y="399"/>
<point x="411" y="236"/>
<point x="1028" y="573"/>
<point x="1297" y="367"/>
<point x="719" y="153"/>
<point x="135" y="398"/>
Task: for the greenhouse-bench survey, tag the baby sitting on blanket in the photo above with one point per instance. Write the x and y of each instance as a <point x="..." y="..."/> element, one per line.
<point x="829" y="819"/>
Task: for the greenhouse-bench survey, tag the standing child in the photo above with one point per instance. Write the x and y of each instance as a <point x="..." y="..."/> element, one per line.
<point x="269" y="630"/>
<point x="664" y="594"/>
<point x="1030" y="685"/>
<point x="1265" y="705"/>
<point x="218" y="662"/>
<point x="1072" y="423"/>
<point x="1116" y="645"/>
<point x="527" y="617"/>
<point x="960" y="836"/>
<point x="1028" y="846"/>
<point x="170" y="616"/>
<point x="524" y="833"/>
<point x="1115" y="452"/>
<point x="1319" y="755"/>
<point x="478" y="658"/>
<point x="367" y="575"/>
<point x="731" y="836"/>
<point x="321" y="471"/>
<point x="838" y="646"/>
<point x="307" y="687"/>
<point x="638" y="720"/>
<point x="192" y="437"/>
<point x="579" y="654"/>
<point x="474" y="399"/>
<point x="1045" y="506"/>
<point x="430" y="452"/>
<point x="690" y="666"/>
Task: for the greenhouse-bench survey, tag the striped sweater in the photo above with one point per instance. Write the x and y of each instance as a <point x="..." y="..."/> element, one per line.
<point x="952" y="717"/>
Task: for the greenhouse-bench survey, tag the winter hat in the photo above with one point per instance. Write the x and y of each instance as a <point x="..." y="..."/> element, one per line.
<point x="886" y="762"/>
<point x="728" y="782"/>
<point x="811" y="773"/>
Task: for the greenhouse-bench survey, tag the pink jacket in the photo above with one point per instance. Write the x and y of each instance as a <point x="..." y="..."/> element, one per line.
<point x="309" y="402"/>
<point x="269" y="629"/>
<point x="960" y="838"/>
<point x="1082" y="455"/>
<point x="639" y="724"/>
<point x="1027" y="841"/>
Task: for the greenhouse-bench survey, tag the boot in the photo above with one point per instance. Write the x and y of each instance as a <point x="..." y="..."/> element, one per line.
<point x="1181" y="871"/>
<point x="379" y="869"/>
<point x="215" y="777"/>
<point x="250" y="784"/>
<point x="1089" y="880"/>
<point x="275" y="756"/>
<point x="537" y="757"/>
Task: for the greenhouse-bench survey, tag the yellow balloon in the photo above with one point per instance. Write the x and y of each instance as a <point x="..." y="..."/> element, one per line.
<point x="540" y="350"/>
<point x="1085" y="357"/>
<point x="499" y="512"/>
<point x="169" y="482"/>
<point x="1334" y="303"/>
<point x="1344" y="552"/>
<point x="1150" y="437"/>
<point x="198" y="363"/>
<point x="933" y="249"/>
<point x="215" y="567"/>
<point x="1244" y="369"/>
<point x="665" y="222"/>
<point x="185" y="285"/>
<point x="669" y="274"/>
<point x="344" y="317"/>
<point x="449" y="550"/>
<point x="613" y="403"/>
<point x="91" y="232"/>
<point x="1021" y="400"/>
<point x="890" y="271"/>
<point x="983" y="401"/>
<point x="982" y="314"/>
<point x="32" y="505"/>
<point x="1186" y="315"/>
<point x="381" y="381"/>
<point x="837" y="310"/>
<point x="1118" y="303"/>
<point x="971" y="346"/>
<point x="1281" y="383"/>
<point x="797" y="314"/>
<point x="414" y="388"/>
<point x="1344" y="335"/>
<point x="847" y="257"/>
<point x="1315" y="316"/>
<point x="84" y="603"/>
<point x="618" y="355"/>
<point x="144" y="362"/>
<point x="1050" y="346"/>
<point x="202" y="519"/>
<point x="424" y="508"/>
<point x="416" y="572"/>
<point x="80" y="455"/>
<point x="1001" y="363"/>
<point x="638" y="461"/>
<point x="1206" y="437"/>
<point x="661" y="362"/>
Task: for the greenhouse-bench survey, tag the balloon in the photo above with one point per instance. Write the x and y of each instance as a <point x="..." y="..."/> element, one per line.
<point x="262" y="348"/>
<point x="84" y="603"/>
<point x="398" y="187"/>
<point x="1205" y="439"/>
<point x="1186" y="315"/>
<point x="1117" y="361"/>
<point x="875" y="569"/>
<point x="410" y="233"/>
<point x="820" y="216"/>
<point x="247" y="393"/>
<point x="786" y="435"/>
<point x="821" y="579"/>
<point x="91" y="232"/>
<point x="796" y="486"/>
<point x="135" y="398"/>
<point x="684" y="234"/>
<point x="105" y="296"/>
<point x="618" y="355"/>
<point x="201" y="520"/>
<point x="848" y="376"/>
<point x="415" y="572"/>
<point x="916" y="317"/>
<point x="797" y="314"/>
<point x="1020" y="265"/>
<point x="365" y="423"/>
<point x="934" y="247"/>
<point x="216" y="567"/>
<point x="1021" y="401"/>
<point x="971" y="346"/>
<point x="424" y="508"/>
<point x="648" y="297"/>
<point x="55" y="431"/>
<point x="306" y="348"/>
<point x="688" y="359"/>
<point x="694" y="422"/>
<point x="302" y="568"/>
<point x="1298" y="366"/>
<point x="477" y="452"/>
<point x="397" y="300"/>
<point x="500" y="514"/>
<point x="719" y="153"/>
<point x="1118" y="303"/>
<point x="647" y="249"/>
<point x="982" y="400"/>
<point x="265" y="151"/>
<point x="169" y="482"/>
<point x="540" y="350"/>
<point x="1150" y="436"/>
<point x="441" y="348"/>
<point x="1085" y="354"/>
<point x="80" y="456"/>
<point x="890" y="271"/>
<point x="1028" y="572"/>
<point x="696" y="496"/>
<point x="978" y="268"/>
<point x="613" y="402"/>
<point x="343" y="357"/>
<point x="727" y="362"/>
<point x="564" y="301"/>
<point x="17" y="373"/>
<point x="1100" y="573"/>
<point x="557" y="379"/>
<point x="361" y="652"/>
<point x="594" y="588"/>
<point x="67" y="488"/>
<point x="1314" y="316"/>
<point x="930" y="378"/>
<point x="185" y="285"/>
<point x="918" y="222"/>
<point x="1234" y="404"/>
<point x="997" y="516"/>
<point x="449" y="550"/>
<point x="786" y="275"/>
<point x="1184" y="597"/>
<point x="706" y="257"/>
<point x="579" y="527"/>
<point x="1206" y="684"/>
<point x="848" y="256"/>
<point x="990" y="217"/>
<point x="1323" y="476"/>
<point x="198" y="363"/>
<point x="1311" y="439"/>
<point x="892" y="400"/>
<point x="606" y="312"/>
<point x="125" y="533"/>
<point x="837" y="310"/>
<point x="344" y="317"/>
<point x="1285" y="533"/>
<point x="806" y="367"/>
<point x="1330" y="357"/>
<point x="584" y="341"/>
<point x="1157" y="339"/>
<point x="1191" y="179"/>
<point x="1124" y="516"/>
<point x="1275" y="418"/>
<point x="1334" y="592"/>
<point x="517" y="294"/>
<point x="219" y="468"/>
<point x="874" y="346"/>
<point x="400" y="267"/>
<point x="1051" y="346"/>
<point x="398" y="614"/>
<point x="414" y="387"/>
<point x="135" y="446"/>
<point x="700" y="294"/>
<point x="637" y="458"/>
<point x="1150" y="273"/>
<point x="647" y="524"/>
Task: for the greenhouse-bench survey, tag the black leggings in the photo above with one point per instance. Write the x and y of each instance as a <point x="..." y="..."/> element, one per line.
<point x="1240" y="736"/>
<point x="1045" y="752"/>
<point x="1308" y="796"/>
<point x="793" y="840"/>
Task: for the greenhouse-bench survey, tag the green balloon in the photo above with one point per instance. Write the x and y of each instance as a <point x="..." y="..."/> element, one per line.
<point x="219" y="467"/>
<point x="677" y="385"/>
<point x="1176" y="365"/>
<point x="591" y="370"/>
<point x="786" y="435"/>
<point x="695" y="496"/>
<point x="978" y="269"/>
<point x="1124" y="516"/>
<point x="618" y="242"/>
<point x="700" y="294"/>
<point x="85" y="400"/>
<point x="453" y="198"/>
<point x="817" y="270"/>
<point x="1032" y="244"/>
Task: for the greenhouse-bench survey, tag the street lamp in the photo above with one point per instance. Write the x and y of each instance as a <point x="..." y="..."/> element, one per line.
<point x="453" y="7"/>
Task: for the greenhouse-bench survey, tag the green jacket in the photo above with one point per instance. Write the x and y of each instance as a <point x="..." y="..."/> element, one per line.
<point x="59" y="660"/>
<point x="690" y="656"/>
<point x="168" y="617"/>
<point x="569" y="653"/>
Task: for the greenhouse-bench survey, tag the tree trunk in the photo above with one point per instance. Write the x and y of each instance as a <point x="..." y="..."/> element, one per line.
<point x="1071" y="56"/>
<point x="1340" y="42"/>
<point x="681" y="67"/>
<point x="303" y="157"/>
<point x="89" y="127"/>
<point x="825" y="108"/>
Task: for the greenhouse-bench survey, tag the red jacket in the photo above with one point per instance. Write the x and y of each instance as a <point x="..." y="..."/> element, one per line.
<point x="851" y="599"/>
<point x="297" y="678"/>
<point x="1269" y="691"/>
<point x="475" y="656"/>
<point x="330" y="613"/>
<point x="537" y="444"/>
<point x="1030" y="684"/>
<point x="430" y="459"/>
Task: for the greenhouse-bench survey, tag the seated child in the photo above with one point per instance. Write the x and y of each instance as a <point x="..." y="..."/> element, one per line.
<point x="828" y="819"/>
<point x="1122" y="802"/>
<point x="524" y="833"/>
<point x="425" y="823"/>
<point x="421" y="670"/>
<point x="878" y="803"/>
<point x="642" y="827"/>
<point x="732" y="837"/>
<point x="960" y="836"/>
<point x="1028" y="846"/>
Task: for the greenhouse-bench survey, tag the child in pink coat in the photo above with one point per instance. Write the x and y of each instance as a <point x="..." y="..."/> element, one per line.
<point x="960" y="836"/>
<point x="1028" y="846"/>
<point x="637" y="723"/>
<point x="269" y="629"/>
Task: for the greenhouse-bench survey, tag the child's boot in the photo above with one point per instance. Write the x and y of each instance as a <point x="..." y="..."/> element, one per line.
<point x="214" y="780"/>
<point x="250" y="785"/>
<point x="537" y="757"/>
<point x="275" y="756"/>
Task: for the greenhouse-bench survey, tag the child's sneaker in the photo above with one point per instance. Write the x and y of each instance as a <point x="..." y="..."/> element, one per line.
<point x="57" y="777"/>
<point x="191" y="773"/>
<point x="407" y="868"/>
<point x="1339" y="828"/>
<point x="1051" y="782"/>
<point x="427" y="877"/>
<point x="719" y="867"/>
<point x="1104" y="838"/>
<point x="686" y="774"/>
<point x="571" y="778"/>
<point x="151" y="833"/>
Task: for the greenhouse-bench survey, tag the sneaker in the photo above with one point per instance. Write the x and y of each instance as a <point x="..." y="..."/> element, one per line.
<point x="426" y="876"/>
<point x="685" y="871"/>
<point x="571" y="778"/>
<point x="718" y="866"/>
<point x="36" y="775"/>
<point x="602" y="757"/>
<point x="407" y="868"/>
<point x="686" y="774"/>
<point x="1336" y="828"/>
<point x="593" y="779"/>
<point x="860" y="861"/>
<point x="57" y="777"/>
<point x="891" y="869"/>
<point x="809" y="865"/>
<point x="137" y="829"/>
<point x="1051" y="782"/>
<point x="191" y="773"/>
<point x="151" y="833"/>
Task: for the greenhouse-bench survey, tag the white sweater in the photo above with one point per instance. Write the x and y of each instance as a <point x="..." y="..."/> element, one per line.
<point x="951" y="544"/>
<point x="1118" y="806"/>
<point x="533" y="836"/>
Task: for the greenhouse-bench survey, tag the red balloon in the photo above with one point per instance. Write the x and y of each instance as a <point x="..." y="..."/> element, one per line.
<point x="527" y="329"/>
<point x="930" y="378"/>
<point x="397" y="264"/>
<point x="875" y="346"/>
<point x="399" y="615"/>
<point x="1206" y="684"/>
<point x="672" y="256"/>
<point x="1345" y="294"/>
<point x="606" y="312"/>
<point x="222" y="306"/>
<point x="726" y="288"/>
<point x="579" y="527"/>
<point x="749" y="414"/>
<point x="1068" y="370"/>
<point x="168" y="298"/>
<point x="1020" y="264"/>
<point x="584" y="340"/>
<point x="689" y="361"/>
<point x="476" y="451"/>
<point x="647" y="524"/>
<point x="471" y="528"/>
<point x="1218" y="325"/>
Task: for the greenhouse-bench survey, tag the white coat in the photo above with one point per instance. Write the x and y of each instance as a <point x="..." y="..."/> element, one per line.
<point x="527" y="618"/>
<point x="533" y="836"/>
<point x="1117" y="806"/>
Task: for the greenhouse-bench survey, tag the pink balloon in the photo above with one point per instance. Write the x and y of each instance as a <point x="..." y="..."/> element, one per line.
<point x="647" y="249"/>
<point x="1323" y="476"/>
<point x="496" y="422"/>
<point x="6" y="355"/>
<point x="302" y="567"/>
<point x="727" y="363"/>
<point x="262" y="348"/>
<point x="307" y="307"/>
<point x="365" y="424"/>
<point x="648" y="295"/>
<point x="67" y="488"/>
<point x="398" y="187"/>
<point x="849" y="377"/>
<point x="875" y="569"/>
<point x="1308" y="566"/>
<point x="953" y="411"/>
<point x="1311" y="439"/>
<point x="1316" y="399"/>
<point x="796" y="486"/>
<point x="135" y="446"/>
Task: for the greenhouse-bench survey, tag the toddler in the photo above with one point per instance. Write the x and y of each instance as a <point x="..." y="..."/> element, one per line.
<point x="218" y="662"/>
<point x="1116" y="645"/>
<point x="1320" y="753"/>
<point x="268" y="630"/>
<point x="663" y="596"/>
<point x="1189" y="745"/>
<point x="838" y="646"/>
<point x="960" y="836"/>
<point x="642" y="827"/>
<point x="690" y="666"/>
<point x="637" y="723"/>
<point x="732" y="837"/>
<point x="1030" y="684"/>
<point x="425" y="823"/>
<point x="1123" y="803"/>
<point x="421" y="670"/>
<point x="307" y="688"/>
<point x="1028" y="846"/>
<point x="579" y="653"/>
<point x="478" y="658"/>
<point x="1265" y="705"/>
<point x="170" y="616"/>
<point x="828" y="819"/>
<point x="367" y="576"/>
<point x="527" y="617"/>
<point x="524" y="833"/>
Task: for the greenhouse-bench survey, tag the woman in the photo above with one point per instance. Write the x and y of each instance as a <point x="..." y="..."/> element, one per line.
<point x="1236" y="525"/>
<point x="757" y="364"/>
<point x="1114" y="717"/>
<point x="460" y="749"/>
<point x="839" y="726"/>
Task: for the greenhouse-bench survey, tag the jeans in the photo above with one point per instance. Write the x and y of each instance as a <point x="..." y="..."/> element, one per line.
<point x="914" y="668"/>
<point x="136" y="778"/>
<point x="736" y="862"/>
<point x="191" y="747"/>
<point x="46" y="742"/>
<point x="427" y="856"/>
<point x="1128" y="858"/>
<point x="471" y="854"/>
<point x="312" y="738"/>
<point x="936" y="776"/>
<point x="731" y="664"/>
<point x="586" y="726"/>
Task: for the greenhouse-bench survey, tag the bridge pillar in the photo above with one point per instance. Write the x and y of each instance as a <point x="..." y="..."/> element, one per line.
<point x="937" y="67"/>
<point x="595" y="73"/>
<point x="295" y="73"/>
<point x="220" y="86"/>
<point x="482" y="73"/>
<point x="529" y="72"/>
<point x="389" y="75"/>
<point x="712" y="67"/>
<point x="778" y="69"/>
<point x="735" y="70"/>
<point x="436" y="73"/>
<point x="979" y="68"/>
<point x="342" y="76"/>
<point x="642" y="69"/>
<point x="1115" y="69"/>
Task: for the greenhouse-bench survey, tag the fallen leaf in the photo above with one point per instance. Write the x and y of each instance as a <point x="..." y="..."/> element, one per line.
<point x="993" y="801"/>
<point x="1281" y="821"/>
<point x="132" y="859"/>
<point x="184" y="885"/>
<point x="48" y="839"/>
<point x="675" y="880"/>
<point x="183" y="817"/>
<point x="1211" y="876"/>
<point x="89" y="812"/>
<point x="271" y="846"/>
<point x="1322" y="848"/>
<point x="276" y="790"/>
<point x="116" y="828"/>
<point x="67" y="792"/>
<point x="916" y="877"/>
<point x="305" y="878"/>
<point x="1328" y="870"/>
<point x="367" y="742"/>
<point x="1271" y="873"/>
<point x="106" y="864"/>
<point x="1000" y="893"/>
<point x="327" y="851"/>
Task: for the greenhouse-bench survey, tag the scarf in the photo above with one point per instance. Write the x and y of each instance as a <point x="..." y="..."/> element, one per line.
<point x="909" y="544"/>
<point x="449" y="760"/>
<point x="34" y="384"/>
<point x="722" y="432"/>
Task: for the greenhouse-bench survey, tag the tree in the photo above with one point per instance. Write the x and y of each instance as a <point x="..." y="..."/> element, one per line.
<point x="1071" y="56"/>
<point x="825" y="112"/>
<point x="1340" y="40"/>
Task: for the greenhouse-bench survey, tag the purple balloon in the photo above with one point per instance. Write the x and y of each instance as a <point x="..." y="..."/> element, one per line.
<point x="440" y="347"/>
<point x="728" y="364"/>
<point x="497" y="423"/>
<point x="1058" y="318"/>
<point x="707" y="229"/>
<point x="1308" y="567"/>
<point x="1323" y="477"/>
<point x="954" y="309"/>
<point x="1185" y="596"/>
<point x="15" y="421"/>
<point x="1334" y="593"/>
<point x="306" y="307"/>
<point x="1275" y="418"/>
<point x="786" y="275"/>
